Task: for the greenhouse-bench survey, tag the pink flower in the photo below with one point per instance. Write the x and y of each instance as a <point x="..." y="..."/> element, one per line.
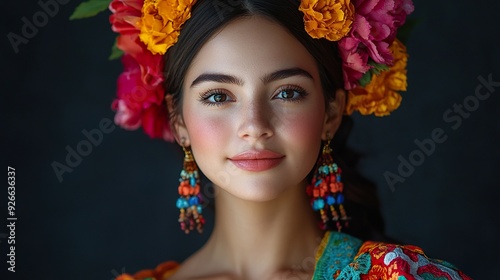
<point x="125" y="116"/>
<point x="137" y="86"/>
<point x="355" y="61"/>
<point x="140" y="98"/>
<point x="373" y="31"/>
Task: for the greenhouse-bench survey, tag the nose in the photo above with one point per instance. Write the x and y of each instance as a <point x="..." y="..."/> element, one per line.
<point x="256" y="121"/>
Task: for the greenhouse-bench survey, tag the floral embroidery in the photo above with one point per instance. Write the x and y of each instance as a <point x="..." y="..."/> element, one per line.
<point x="375" y="261"/>
<point x="336" y="252"/>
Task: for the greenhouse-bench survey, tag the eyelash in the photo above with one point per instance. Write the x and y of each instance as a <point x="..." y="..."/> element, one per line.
<point x="211" y="92"/>
<point x="302" y="93"/>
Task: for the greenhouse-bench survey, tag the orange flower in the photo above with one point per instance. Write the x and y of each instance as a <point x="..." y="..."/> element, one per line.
<point x="162" y="21"/>
<point x="330" y="19"/>
<point x="380" y="96"/>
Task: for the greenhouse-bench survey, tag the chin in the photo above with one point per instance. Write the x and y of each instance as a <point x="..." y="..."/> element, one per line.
<point x="260" y="189"/>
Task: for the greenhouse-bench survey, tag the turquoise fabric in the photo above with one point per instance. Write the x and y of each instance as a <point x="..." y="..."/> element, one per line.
<point x="339" y="253"/>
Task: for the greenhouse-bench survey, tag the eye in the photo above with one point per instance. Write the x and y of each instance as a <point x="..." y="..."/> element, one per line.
<point x="215" y="97"/>
<point x="290" y="93"/>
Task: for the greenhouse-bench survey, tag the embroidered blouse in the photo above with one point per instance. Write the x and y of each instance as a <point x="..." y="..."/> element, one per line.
<point x="341" y="256"/>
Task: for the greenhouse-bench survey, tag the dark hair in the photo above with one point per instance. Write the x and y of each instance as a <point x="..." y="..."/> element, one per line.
<point x="208" y="17"/>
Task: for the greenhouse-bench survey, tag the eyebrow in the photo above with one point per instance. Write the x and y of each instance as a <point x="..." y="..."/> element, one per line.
<point x="228" y="79"/>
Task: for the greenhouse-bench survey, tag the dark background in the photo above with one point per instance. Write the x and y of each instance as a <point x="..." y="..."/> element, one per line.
<point x="115" y="212"/>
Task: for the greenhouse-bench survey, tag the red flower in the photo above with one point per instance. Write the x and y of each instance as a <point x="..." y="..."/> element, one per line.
<point x="140" y="90"/>
<point x="140" y="97"/>
<point x="156" y="124"/>
<point x="125" y="116"/>
<point x="126" y="15"/>
<point x="138" y="85"/>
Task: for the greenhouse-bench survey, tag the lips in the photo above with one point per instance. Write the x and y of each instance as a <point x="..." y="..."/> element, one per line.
<point x="257" y="160"/>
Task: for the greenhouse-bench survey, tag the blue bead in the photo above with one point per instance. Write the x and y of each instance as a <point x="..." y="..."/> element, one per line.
<point x="321" y="203"/>
<point x="338" y="178"/>
<point x="193" y="201"/>
<point x="313" y="204"/>
<point x="181" y="203"/>
<point x="318" y="204"/>
<point x="340" y="198"/>
<point x="330" y="200"/>
<point x="326" y="170"/>
<point x="199" y="209"/>
<point x="318" y="182"/>
<point x="192" y="181"/>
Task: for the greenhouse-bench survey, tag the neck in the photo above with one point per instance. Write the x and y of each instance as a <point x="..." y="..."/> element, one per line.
<point x="256" y="239"/>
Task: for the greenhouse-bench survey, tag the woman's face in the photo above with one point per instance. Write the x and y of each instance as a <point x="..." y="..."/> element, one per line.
<point x="253" y="110"/>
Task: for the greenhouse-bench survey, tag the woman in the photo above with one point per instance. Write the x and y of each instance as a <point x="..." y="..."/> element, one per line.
<point x="254" y="92"/>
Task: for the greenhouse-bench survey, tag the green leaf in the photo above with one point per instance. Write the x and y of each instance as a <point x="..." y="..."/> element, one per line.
<point x="115" y="51"/>
<point x="367" y="77"/>
<point x="90" y="9"/>
<point x="377" y="68"/>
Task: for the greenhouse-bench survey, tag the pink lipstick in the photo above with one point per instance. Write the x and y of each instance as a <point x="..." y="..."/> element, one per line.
<point x="257" y="160"/>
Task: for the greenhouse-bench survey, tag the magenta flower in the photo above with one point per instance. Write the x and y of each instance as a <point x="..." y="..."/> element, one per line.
<point x="373" y="31"/>
<point x="140" y="97"/>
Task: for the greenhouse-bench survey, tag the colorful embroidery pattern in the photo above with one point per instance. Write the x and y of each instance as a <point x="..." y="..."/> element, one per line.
<point x="343" y="257"/>
<point x="376" y="260"/>
<point x="336" y="251"/>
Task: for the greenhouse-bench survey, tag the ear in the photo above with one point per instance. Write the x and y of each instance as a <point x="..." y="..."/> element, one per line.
<point x="333" y="116"/>
<point x="177" y="125"/>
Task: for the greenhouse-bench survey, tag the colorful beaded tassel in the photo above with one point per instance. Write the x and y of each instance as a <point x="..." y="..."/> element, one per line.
<point x="190" y="200"/>
<point x="326" y="189"/>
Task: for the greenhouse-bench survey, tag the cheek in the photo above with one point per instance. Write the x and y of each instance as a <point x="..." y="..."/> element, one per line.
<point x="303" y="128"/>
<point x="207" y="133"/>
<point x="302" y="135"/>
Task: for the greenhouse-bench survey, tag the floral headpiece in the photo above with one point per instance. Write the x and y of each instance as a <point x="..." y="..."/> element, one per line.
<point x="373" y="60"/>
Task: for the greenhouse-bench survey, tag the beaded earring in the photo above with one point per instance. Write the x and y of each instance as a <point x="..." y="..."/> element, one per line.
<point x="326" y="189"/>
<point x="190" y="200"/>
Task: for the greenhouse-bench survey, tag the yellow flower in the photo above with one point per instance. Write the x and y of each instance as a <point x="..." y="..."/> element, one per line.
<point x="330" y="19"/>
<point x="162" y="21"/>
<point x="380" y="96"/>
